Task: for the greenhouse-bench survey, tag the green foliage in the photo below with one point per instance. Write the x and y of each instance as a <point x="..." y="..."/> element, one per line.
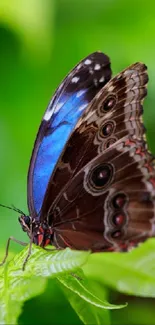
<point x="86" y="310"/>
<point x="132" y="273"/>
<point x="32" y="23"/>
<point x="18" y="286"/>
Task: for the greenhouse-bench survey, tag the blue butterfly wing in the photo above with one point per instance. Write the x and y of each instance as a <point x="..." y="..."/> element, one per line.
<point x="67" y="105"/>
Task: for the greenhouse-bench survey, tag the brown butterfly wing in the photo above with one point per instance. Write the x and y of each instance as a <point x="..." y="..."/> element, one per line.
<point x="117" y="109"/>
<point x="109" y="204"/>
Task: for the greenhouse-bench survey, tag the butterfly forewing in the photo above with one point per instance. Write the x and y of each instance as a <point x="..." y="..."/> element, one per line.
<point x="61" y="116"/>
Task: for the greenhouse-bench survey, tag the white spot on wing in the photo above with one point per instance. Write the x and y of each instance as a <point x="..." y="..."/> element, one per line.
<point x="80" y="93"/>
<point x="48" y="114"/>
<point x="75" y="79"/>
<point x="102" y="79"/>
<point x="83" y="107"/>
<point x="97" y="66"/>
<point x="87" y="61"/>
<point x="52" y="109"/>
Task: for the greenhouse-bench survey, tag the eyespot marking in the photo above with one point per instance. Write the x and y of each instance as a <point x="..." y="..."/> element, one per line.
<point x="101" y="175"/>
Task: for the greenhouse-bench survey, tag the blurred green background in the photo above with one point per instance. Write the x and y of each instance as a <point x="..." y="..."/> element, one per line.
<point x="40" y="41"/>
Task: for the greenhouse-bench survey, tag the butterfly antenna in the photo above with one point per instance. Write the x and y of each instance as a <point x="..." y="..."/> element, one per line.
<point x="12" y="208"/>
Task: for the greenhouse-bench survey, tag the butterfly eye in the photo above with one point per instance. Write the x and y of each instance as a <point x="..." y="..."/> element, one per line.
<point x="27" y="220"/>
<point x="109" y="103"/>
<point x="101" y="175"/>
<point x="119" y="200"/>
<point x="107" y="129"/>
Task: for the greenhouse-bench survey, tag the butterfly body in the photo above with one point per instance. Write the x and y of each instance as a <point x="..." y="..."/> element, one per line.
<point x="91" y="181"/>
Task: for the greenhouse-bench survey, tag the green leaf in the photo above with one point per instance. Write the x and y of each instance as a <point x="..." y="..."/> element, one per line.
<point x="88" y="313"/>
<point x="17" y="286"/>
<point x="131" y="273"/>
<point x="48" y="263"/>
<point x="78" y="284"/>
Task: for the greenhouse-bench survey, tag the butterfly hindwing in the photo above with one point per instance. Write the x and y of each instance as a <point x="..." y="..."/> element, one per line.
<point x="111" y="201"/>
<point x="61" y="116"/>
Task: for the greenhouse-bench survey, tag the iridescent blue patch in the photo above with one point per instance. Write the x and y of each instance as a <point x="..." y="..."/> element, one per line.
<point x="61" y="126"/>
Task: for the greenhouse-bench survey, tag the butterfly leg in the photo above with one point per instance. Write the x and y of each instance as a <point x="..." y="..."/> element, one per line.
<point x="28" y="254"/>
<point x="7" y="247"/>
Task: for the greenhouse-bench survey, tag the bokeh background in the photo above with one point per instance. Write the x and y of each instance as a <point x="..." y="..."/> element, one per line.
<point x="40" y="41"/>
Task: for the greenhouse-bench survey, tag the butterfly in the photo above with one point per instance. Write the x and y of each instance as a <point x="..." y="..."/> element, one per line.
<point x="91" y="180"/>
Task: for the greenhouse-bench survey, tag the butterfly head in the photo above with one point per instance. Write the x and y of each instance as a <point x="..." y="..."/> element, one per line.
<point x="41" y="234"/>
<point x="25" y="222"/>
